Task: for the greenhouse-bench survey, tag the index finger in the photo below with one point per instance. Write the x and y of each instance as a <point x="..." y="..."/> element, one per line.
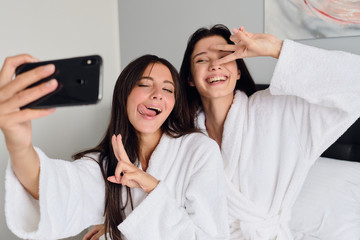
<point x="224" y="47"/>
<point x="228" y="58"/>
<point x="119" y="149"/>
<point x="24" y="80"/>
<point x="10" y="64"/>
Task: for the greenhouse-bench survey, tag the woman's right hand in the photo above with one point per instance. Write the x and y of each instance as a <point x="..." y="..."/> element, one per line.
<point x="95" y="232"/>
<point x="15" y="123"/>
<point x="249" y="44"/>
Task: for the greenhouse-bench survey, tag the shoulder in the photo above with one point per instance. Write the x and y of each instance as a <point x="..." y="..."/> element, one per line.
<point x="198" y="140"/>
<point x="91" y="159"/>
<point x="201" y="150"/>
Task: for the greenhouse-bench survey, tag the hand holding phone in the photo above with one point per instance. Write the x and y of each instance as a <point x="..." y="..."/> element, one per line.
<point x="79" y="82"/>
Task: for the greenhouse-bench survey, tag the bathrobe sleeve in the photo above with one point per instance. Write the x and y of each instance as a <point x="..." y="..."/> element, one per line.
<point x="71" y="199"/>
<point x="326" y="86"/>
<point x="204" y="214"/>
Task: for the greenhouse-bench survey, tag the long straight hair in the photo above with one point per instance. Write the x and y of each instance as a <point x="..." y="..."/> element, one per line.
<point x="177" y="124"/>
<point x="245" y="83"/>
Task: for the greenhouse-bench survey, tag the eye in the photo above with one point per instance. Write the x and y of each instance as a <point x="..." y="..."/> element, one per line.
<point x="200" y="61"/>
<point x="168" y="90"/>
<point x="142" y="85"/>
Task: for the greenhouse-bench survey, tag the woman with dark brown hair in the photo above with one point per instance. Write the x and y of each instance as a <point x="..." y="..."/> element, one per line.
<point x="153" y="176"/>
<point x="268" y="139"/>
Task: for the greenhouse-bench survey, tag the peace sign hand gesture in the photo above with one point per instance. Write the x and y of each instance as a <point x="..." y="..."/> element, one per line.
<point x="127" y="173"/>
<point x="249" y="45"/>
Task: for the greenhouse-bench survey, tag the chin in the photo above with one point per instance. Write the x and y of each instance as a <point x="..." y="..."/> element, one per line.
<point x="148" y="129"/>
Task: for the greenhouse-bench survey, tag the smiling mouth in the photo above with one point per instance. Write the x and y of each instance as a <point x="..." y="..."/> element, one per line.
<point x="216" y="79"/>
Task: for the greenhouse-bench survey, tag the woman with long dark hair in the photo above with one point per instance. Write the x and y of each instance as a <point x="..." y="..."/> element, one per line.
<point x="268" y="139"/>
<point x="153" y="176"/>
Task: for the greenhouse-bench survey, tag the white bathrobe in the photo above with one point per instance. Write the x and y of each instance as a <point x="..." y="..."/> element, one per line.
<point x="271" y="139"/>
<point x="188" y="203"/>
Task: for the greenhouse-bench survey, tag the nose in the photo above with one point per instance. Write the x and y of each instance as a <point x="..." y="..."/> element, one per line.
<point x="157" y="94"/>
<point x="214" y="67"/>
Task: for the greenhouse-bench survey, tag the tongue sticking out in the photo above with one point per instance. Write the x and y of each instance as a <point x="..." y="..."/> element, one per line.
<point x="147" y="112"/>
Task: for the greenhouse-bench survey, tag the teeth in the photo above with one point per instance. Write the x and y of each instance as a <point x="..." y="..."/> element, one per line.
<point x="216" y="79"/>
<point x="157" y="110"/>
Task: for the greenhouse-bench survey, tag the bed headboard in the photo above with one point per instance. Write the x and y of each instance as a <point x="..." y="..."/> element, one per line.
<point x="347" y="147"/>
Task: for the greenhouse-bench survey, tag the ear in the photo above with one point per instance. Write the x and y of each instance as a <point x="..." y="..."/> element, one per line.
<point x="238" y="74"/>
<point x="191" y="82"/>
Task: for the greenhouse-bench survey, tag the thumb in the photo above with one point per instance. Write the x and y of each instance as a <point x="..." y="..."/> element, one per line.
<point x="113" y="180"/>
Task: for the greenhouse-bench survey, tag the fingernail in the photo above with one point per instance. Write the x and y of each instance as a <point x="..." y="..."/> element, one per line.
<point x="235" y="30"/>
<point x="51" y="83"/>
<point x="49" y="68"/>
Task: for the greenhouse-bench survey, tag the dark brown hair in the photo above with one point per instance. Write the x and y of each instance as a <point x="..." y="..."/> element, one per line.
<point x="177" y="124"/>
<point x="245" y="83"/>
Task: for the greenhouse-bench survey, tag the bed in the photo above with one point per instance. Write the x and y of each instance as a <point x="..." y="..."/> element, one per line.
<point x="328" y="206"/>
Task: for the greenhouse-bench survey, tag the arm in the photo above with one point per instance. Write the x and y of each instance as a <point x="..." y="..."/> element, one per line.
<point x="16" y="123"/>
<point x="28" y="176"/>
<point x="327" y="87"/>
<point x="72" y="197"/>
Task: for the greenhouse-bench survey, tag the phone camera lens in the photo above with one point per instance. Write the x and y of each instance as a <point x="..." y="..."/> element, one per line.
<point x="89" y="61"/>
<point x="81" y="81"/>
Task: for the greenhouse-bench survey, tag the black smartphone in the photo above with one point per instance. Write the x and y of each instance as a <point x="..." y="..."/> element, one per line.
<point x="79" y="82"/>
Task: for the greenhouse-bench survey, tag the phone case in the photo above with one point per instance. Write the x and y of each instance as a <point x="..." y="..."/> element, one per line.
<point x="79" y="78"/>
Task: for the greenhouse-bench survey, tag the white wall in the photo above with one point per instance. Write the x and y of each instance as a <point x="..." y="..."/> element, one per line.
<point x="163" y="27"/>
<point x="61" y="29"/>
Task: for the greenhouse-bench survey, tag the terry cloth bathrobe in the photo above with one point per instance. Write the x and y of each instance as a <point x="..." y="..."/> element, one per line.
<point x="188" y="203"/>
<point x="271" y="139"/>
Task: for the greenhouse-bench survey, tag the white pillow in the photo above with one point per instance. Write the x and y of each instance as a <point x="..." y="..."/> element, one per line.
<point x="328" y="207"/>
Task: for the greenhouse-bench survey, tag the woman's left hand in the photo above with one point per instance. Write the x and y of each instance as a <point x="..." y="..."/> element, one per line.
<point x="127" y="173"/>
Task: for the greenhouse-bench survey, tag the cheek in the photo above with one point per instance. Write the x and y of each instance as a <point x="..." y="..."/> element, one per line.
<point x="233" y="69"/>
<point x="131" y="102"/>
<point x="171" y="103"/>
<point x="196" y="74"/>
<point x="129" y="108"/>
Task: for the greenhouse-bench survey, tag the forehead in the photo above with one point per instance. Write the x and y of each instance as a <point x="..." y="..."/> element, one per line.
<point x="204" y="44"/>
<point x="158" y="71"/>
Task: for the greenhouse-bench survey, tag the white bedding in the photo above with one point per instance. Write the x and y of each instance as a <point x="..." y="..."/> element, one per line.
<point x="328" y="207"/>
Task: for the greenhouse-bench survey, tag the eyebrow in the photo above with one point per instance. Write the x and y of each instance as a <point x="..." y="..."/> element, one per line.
<point x="150" y="78"/>
<point x="200" y="53"/>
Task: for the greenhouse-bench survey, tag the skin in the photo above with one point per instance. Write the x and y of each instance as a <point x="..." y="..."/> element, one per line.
<point x="95" y="233"/>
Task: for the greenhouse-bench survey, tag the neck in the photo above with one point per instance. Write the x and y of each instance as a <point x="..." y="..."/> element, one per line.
<point x="216" y="110"/>
<point x="148" y="143"/>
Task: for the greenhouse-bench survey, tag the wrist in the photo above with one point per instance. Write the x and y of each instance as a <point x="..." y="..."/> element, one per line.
<point x="277" y="48"/>
<point x="19" y="152"/>
<point x="152" y="186"/>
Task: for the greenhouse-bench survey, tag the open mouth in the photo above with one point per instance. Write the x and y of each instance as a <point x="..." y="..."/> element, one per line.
<point x="154" y="109"/>
<point x="149" y="111"/>
<point x="216" y="79"/>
